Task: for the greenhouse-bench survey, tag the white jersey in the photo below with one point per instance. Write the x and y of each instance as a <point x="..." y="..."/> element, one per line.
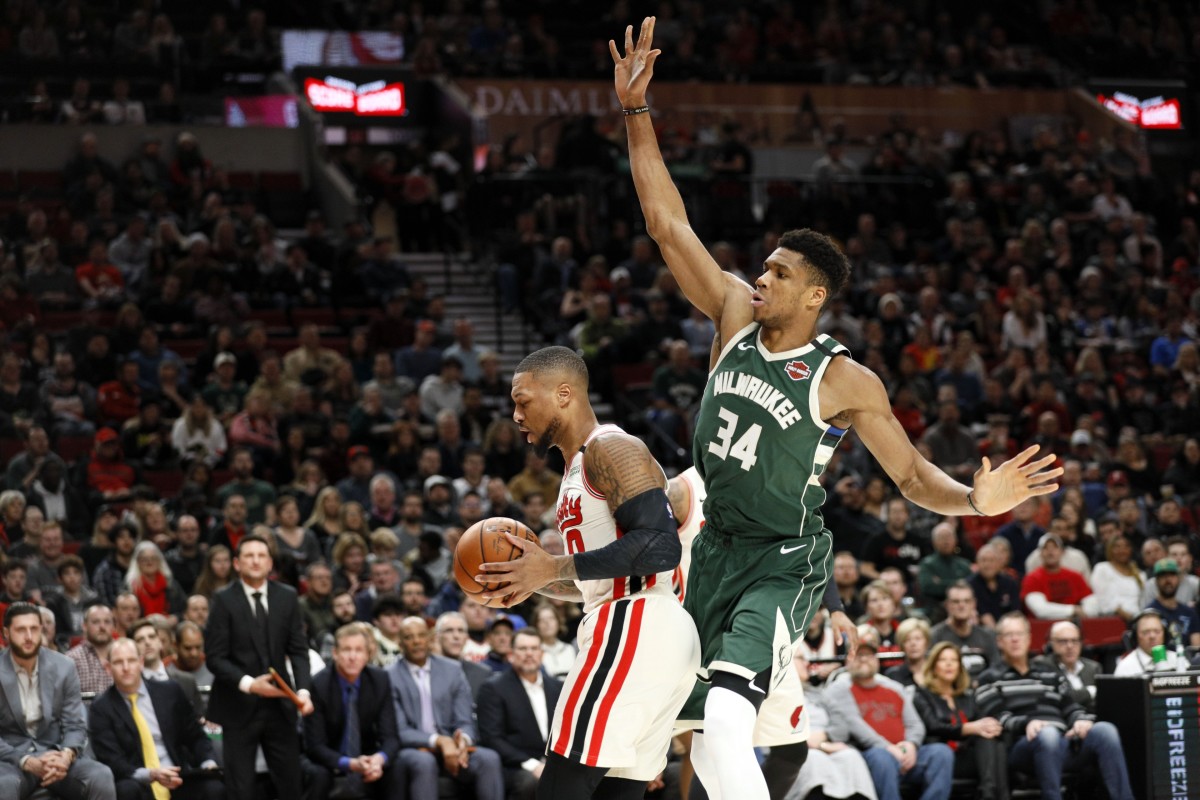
<point x="691" y="520"/>
<point x="586" y="524"/>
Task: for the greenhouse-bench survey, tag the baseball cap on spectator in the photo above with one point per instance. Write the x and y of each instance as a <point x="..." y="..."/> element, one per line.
<point x="1081" y="438"/>
<point x="1118" y="478"/>
<point x="1049" y="537"/>
<point x="452" y="361"/>
<point x="356" y="451"/>
<point x="619" y="273"/>
<point x="435" y="480"/>
<point x="1166" y="566"/>
<point x="1090" y="271"/>
<point x="223" y="358"/>
<point x="868" y="638"/>
<point x="501" y="619"/>
<point x="106" y="435"/>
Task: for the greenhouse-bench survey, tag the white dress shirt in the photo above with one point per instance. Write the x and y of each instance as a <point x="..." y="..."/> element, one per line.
<point x="537" y="699"/>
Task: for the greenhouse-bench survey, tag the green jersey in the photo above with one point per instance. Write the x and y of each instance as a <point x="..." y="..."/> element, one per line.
<point x="760" y="443"/>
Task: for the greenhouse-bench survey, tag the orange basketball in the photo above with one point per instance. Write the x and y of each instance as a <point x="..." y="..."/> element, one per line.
<point x="484" y="543"/>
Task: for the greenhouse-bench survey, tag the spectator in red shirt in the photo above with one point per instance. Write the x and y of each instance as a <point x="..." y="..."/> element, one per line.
<point x="119" y="400"/>
<point x="98" y="278"/>
<point x="1052" y="591"/>
<point x="108" y="476"/>
<point x="884" y="725"/>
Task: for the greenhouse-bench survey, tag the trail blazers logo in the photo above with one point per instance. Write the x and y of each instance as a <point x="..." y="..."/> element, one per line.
<point x="797" y="370"/>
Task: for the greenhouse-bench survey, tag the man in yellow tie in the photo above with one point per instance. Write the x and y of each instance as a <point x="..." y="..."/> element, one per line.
<point x="149" y="736"/>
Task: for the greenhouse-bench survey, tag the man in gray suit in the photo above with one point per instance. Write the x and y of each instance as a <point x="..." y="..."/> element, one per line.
<point x="1066" y="656"/>
<point x="451" y="630"/>
<point x="435" y="720"/>
<point x="42" y="729"/>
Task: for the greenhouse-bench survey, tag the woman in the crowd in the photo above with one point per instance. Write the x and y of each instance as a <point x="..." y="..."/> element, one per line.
<point x="881" y="613"/>
<point x="217" y="572"/>
<point x="307" y="483"/>
<point x="557" y="655"/>
<point x="947" y="708"/>
<point x="198" y="435"/>
<point x="292" y="538"/>
<point x="150" y="578"/>
<point x="12" y="510"/>
<point x="1117" y="582"/>
<point x="913" y="638"/>
<point x="349" y="563"/>
<point x="354" y="520"/>
<point x="325" y="520"/>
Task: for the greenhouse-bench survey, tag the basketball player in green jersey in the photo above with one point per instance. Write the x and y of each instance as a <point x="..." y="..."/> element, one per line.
<point x="776" y="404"/>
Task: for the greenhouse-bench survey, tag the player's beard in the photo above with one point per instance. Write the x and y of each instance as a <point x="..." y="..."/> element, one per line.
<point x="546" y="440"/>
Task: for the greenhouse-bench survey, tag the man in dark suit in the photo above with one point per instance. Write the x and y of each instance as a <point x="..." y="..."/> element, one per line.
<point x="1066" y="649"/>
<point x="39" y="692"/>
<point x="179" y="753"/>
<point x="433" y="714"/>
<point x="255" y="625"/>
<point x="150" y="647"/>
<point x="513" y="711"/>
<point x="359" y="748"/>
<point x="451" y="630"/>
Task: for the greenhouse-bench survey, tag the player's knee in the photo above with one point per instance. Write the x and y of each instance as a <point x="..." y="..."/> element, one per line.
<point x="793" y="755"/>
<point x="753" y="690"/>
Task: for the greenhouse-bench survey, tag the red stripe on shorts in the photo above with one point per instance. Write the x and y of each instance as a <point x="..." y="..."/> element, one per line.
<point x="635" y="625"/>
<point x="568" y="724"/>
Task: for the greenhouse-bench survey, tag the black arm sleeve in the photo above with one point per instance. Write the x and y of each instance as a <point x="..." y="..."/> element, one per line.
<point x="650" y="543"/>
<point x="832" y="600"/>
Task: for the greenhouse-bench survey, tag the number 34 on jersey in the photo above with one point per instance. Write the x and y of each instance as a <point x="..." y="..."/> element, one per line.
<point x="745" y="445"/>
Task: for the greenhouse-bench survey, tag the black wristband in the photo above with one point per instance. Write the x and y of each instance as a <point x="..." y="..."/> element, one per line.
<point x="629" y="112"/>
<point x="971" y="503"/>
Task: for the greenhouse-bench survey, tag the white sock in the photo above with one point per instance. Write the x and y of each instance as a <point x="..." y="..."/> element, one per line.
<point x="729" y="746"/>
<point x="704" y="768"/>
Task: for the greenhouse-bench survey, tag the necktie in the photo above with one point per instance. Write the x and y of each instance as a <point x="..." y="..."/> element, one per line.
<point x="260" y="618"/>
<point x="427" y="723"/>
<point x="149" y="751"/>
<point x="352" y="738"/>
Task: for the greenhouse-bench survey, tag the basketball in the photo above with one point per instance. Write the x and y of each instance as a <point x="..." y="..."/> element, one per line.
<point x="484" y="543"/>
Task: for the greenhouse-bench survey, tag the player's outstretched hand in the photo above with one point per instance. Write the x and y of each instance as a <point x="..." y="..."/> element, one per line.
<point x="1016" y="480"/>
<point x="525" y="575"/>
<point x="633" y="71"/>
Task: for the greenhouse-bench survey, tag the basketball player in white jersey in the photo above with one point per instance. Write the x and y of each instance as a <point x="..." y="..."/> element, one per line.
<point x="782" y="724"/>
<point x="638" y="649"/>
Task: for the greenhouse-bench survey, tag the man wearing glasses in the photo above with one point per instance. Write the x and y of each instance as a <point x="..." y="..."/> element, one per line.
<point x="1049" y="730"/>
<point x="1066" y="644"/>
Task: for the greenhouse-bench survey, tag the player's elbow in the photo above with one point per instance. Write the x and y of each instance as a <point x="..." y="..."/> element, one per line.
<point x="662" y="553"/>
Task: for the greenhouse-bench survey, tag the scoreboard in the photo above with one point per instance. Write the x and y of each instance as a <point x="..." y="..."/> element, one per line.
<point x="1158" y="716"/>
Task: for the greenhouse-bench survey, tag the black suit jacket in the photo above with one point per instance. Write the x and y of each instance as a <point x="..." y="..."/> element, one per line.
<point x="233" y="649"/>
<point x="324" y="727"/>
<point x="115" y="738"/>
<point x="506" y="721"/>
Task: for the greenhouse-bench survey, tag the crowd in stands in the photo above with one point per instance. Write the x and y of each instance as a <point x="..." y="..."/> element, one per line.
<point x="174" y="49"/>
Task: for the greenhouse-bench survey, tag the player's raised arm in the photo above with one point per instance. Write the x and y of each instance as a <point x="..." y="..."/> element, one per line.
<point x="853" y="395"/>
<point x="723" y="298"/>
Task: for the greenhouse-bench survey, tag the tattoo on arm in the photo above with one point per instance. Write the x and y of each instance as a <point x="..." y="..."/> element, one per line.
<point x="562" y="590"/>
<point x="620" y="467"/>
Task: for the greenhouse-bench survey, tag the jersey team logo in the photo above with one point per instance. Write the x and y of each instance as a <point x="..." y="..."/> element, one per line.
<point x="797" y="370"/>
<point x="795" y="720"/>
